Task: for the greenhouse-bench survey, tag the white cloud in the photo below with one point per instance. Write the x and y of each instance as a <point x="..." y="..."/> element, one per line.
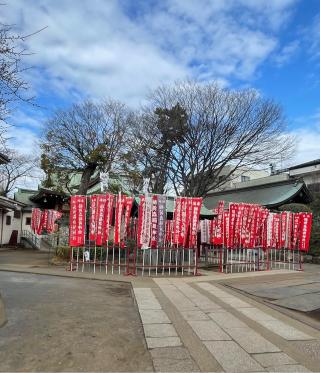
<point x="286" y="53"/>
<point x="24" y="140"/>
<point x="105" y="48"/>
<point x="121" y="49"/>
<point x="313" y="36"/>
<point x="308" y="138"/>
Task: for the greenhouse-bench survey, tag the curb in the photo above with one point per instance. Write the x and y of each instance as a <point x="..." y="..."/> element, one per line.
<point x="65" y="275"/>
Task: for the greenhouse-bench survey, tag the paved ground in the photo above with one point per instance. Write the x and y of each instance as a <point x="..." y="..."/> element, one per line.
<point x="23" y="257"/>
<point x="300" y="293"/>
<point x="61" y="324"/>
<point x="189" y="324"/>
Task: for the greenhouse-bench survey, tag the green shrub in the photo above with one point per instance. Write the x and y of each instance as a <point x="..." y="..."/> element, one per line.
<point x="295" y="207"/>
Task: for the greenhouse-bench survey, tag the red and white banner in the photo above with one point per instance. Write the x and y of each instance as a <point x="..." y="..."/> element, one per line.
<point x="194" y="221"/>
<point x="162" y="218"/>
<point x="100" y="218"/>
<point x="36" y="220"/>
<point x="77" y="220"/>
<point x="296" y="226"/>
<point x="93" y="217"/>
<point x="120" y="202"/>
<point x="233" y="212"/>
<point x="177" y="224"/>
<point x="53" y="215"/>
<point x="251" y="226"/>
<point x="154" y="222"/>
<point x="283" y="229"/>
<point x="44" y="220"/>
<point x="217" y="232"/>
<point x="144" y="221"/>
<point x="305" y="230"/>
<point x="225" y="228"/>
<point x="127" y="214"/>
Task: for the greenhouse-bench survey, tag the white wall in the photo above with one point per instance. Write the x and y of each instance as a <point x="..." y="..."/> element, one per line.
<point x="235" y="178"/>
<point x="16" y="224"/>
<point x="24" y="216"/>
<point x="7" y="229"/>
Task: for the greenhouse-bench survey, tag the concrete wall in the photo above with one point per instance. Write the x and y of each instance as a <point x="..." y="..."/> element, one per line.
<point x="310" y="174"/>
<point x="305" y="170"/>
<point x="236" y="178"/>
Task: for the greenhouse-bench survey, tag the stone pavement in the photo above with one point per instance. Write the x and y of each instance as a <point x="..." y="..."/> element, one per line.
<point x="202" y="326"/>
<point x="197" y="324"/>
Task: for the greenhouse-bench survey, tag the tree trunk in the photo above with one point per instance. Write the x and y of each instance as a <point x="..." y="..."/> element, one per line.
<point x="85" y="179"/>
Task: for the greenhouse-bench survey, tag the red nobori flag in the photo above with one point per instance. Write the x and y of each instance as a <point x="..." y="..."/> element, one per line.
<point x="276" y="231"/>
<point x="73" y="221"/>
<point x="100" y="218"/>
<point x="238" y="225"/>
<point x="194" y="221"/>
<point x="226" y="228"/>
<point x="120" y="201"/>
<point x="263" y="228"/>
<point x="93" y="218"/>
<point x="162" y="217"/>
<point x="253" y="228"/>
<point x="154" y="222"/>
<point x="177" y="221"/>
<point x="243" y="232"/>
<point x="77" y="220"/>
<point x="283" y="229"/>
<point x="82" y="208"/>
<point x="186" y="211"/>
<point x="218" y="239"/>
<point x="250" y="228"/>
<point x="184" y="221"/>
<point x="53" y="215"/>
<point x="108" y="214"/>
<point x="289" y="230"/>
<point x="44" y="221"/>
<point x="35" y="220"/>
<point x="127" y="214"/>
<point x="305" y="230"/>
<point x="295" y="233"/>
<point x="233" y="212"/>
<point x="213" y="225"/>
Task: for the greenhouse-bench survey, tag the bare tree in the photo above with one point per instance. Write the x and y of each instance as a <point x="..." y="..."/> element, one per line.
<point x="85" y="138"/>
<point x="20" y="167"/>
<point x="154" y="135"/>
<point x="13" y="86"/>
<point x="224" y="127"/>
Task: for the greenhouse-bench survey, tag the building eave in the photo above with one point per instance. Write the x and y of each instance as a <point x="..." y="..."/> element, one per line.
<point x="268" y="195"/>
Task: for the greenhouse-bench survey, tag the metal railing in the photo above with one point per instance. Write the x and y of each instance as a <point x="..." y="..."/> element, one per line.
<point x="34" y="239"/>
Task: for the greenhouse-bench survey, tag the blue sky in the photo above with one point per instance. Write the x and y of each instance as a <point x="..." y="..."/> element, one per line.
<point x="123" y="48"/>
